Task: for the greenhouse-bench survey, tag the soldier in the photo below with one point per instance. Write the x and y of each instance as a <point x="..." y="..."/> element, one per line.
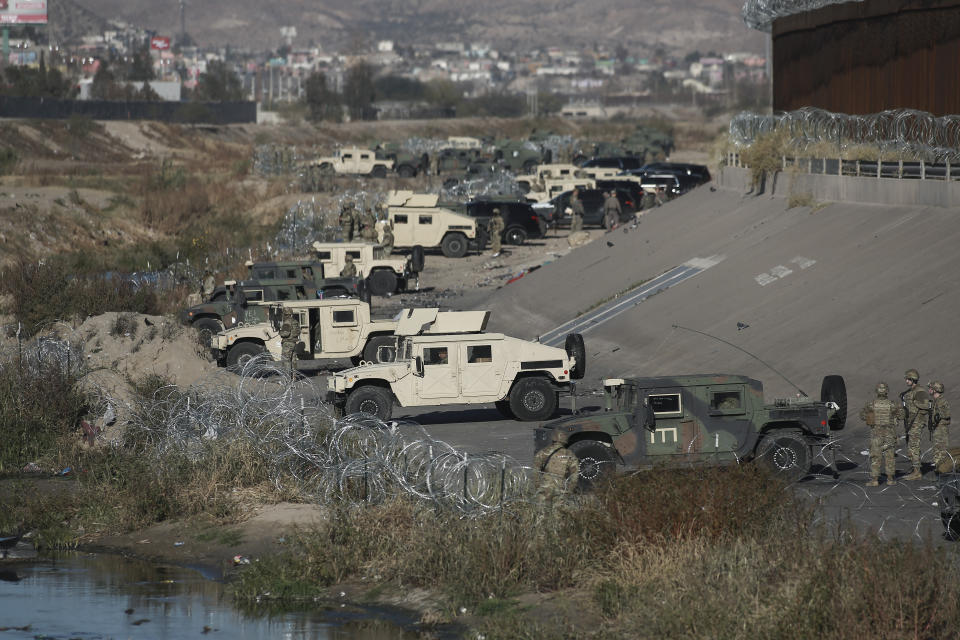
<point x="289" y="337"/>
<point x="495" y="230"/>
<point x="939" y="421"/>
<point x="346" y="221"/>
<point x="369" y="226"/>
<point x="649" y="200"/>
<point x="357" y="216"/>
<point x="916" y="405"/>
<point x="387" y="238"/>
<point x="559" y="468"/>
<point x="881" y="416"/>
<point x="612" y="210"/>
<point x="209" y="284"/>
<point x="576" y="217"/>
<point x="349" y="269"/>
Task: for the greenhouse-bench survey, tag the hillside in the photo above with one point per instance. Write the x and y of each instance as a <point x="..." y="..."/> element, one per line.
<point x="337" y="24"/>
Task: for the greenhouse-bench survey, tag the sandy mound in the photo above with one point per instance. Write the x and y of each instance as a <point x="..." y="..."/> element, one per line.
<point x="121" y="347"/>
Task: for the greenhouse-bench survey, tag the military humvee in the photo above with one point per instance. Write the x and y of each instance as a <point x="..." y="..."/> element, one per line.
<point x="354" y="160"/>
<point x="700" y="418"/>
<point x="417" y="220"/>
<point x="383" y="273"/>
<point x="235" y="303"/>
<point x="447" y="358"/>
<point x="329" y="329"/>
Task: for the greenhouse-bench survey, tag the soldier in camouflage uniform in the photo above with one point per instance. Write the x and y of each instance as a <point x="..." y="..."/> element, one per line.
<point x="387" y="238"/>
<point x="916" y="404"/>
<point x="939" y="421"/>
<point x="559" y="468"/>
<point x="495" y="230"/>
<point x="349" y="269"/>
<point x="612" y="211"/>
<point x="346" y="221"/>
<point x="289" y="337"/>
<point x="882" y="415"/>
<point x="576" y="217"/>
<point x="368" y="223"/>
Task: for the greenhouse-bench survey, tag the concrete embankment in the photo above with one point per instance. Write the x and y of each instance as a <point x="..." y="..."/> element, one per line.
<point x="864" y="291"/>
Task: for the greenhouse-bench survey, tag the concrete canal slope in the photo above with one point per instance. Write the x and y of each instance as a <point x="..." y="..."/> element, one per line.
<point x="864" y="291"/>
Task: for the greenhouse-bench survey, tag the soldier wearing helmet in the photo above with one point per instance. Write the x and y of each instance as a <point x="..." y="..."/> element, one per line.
<point x="939" y="421"/>
<point x="346" y="220"/>
<point x="558" y="466"/>
<point x="349" y="269"/>
<point x="495" y="230"/>
<point x="289" y="337"/>
<point x="881" y="415"/>
<point x="916" y="405"/>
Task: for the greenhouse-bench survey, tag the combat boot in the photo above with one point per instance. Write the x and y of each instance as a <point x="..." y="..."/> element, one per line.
<point x="874" y="482"/>
<point x="891" y="482"/>
<point x="913" y="475"/>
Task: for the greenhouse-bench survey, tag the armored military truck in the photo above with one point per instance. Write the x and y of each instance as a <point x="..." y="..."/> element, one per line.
<point x="406" y="163"/>
<point x="700" y="418"/>
<point x="418" y="220"/>
<point x="383" y="273"/>
<point x="236" y="303"/>
<point x="329" y="329"/>
<point x="446" y="357"/>
<point x="356" y="161"/>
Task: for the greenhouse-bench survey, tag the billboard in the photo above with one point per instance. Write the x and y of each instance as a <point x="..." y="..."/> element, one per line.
<point x="23" y="11"/>
<point x="158" y="43"/>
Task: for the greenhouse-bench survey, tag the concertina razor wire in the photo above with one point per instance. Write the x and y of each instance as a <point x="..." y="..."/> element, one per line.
<point x="359" y="459"/>
<point x="903" y="131"/>
<point x="760" y="14"/>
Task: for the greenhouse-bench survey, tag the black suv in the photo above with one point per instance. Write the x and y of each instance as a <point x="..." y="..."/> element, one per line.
<point x="593" y="205"/>
<point x="520" y="221"/>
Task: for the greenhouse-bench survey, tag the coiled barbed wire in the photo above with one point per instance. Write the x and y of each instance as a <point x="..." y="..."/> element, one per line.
<point x="906" y="131"/>
<point x="760" y="14"/>
<point x="360" y="459"/>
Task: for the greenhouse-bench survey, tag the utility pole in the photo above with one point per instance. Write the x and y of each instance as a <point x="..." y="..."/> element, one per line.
<point x="183" y="22"/>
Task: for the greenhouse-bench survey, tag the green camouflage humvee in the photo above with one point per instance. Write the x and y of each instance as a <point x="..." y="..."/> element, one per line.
<point x="716" y="418"/>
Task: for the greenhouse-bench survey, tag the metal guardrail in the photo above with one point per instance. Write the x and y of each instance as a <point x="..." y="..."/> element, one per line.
<point x="898" y="169"/>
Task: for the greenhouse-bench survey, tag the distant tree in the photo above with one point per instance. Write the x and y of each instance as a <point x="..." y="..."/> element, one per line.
<point x="105" y="85"/>
<point x="398" y="88"/>
<point x="549" y="103"/>
<point x="40" y="82"/>
<point x="693" y="56"/>
<point x="218" y="84"/>
<point x="499" y="105"/>
<point x="141" y="68"/>
<point x="322" y="103"/>
<point x="443" y="93"/>
<point x="358" y="91"/>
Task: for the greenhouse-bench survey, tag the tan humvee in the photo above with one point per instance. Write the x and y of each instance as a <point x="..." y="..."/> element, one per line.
<point x="354" y="160"/>
<point x="445" y="357"/>
<point x="384" y="274"/>
<point x="329" y="329"/>
<point x="417" y="220"/>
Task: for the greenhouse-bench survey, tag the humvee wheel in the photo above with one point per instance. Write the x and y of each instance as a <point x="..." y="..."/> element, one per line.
<point x="372" y="349"/>
<point x="454" y="245"/>
<point x="326" y="169"/>
<point x="515" y="236"/>
<point x="379" y="171"/>
<point x="375" y="401"/>
<point x="834" y="389"/>
<point x="240" y="354"/>
<point x="406" y="171"/>
<point x="575" y="349"/>
<point x="382" y="282"/>
<point x="206" y="329"/>
<point x="533" y="399"/>
<point x="503" y="406"/>
<point x="597" y="462"/>
<point x="784" y="454"/>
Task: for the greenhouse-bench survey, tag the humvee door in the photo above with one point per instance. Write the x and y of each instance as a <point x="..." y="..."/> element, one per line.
<point x="481" y="368"/>
<point x="439" y="379"/>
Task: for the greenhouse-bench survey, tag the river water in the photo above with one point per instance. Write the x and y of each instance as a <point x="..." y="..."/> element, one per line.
<point x="90" y="597"/>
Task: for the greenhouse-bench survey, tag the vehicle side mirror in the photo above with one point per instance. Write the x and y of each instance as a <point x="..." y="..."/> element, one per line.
<point x="418" y="366"/>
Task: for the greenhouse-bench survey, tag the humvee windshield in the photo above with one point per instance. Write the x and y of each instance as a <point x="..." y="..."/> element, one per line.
<point x="379" y="253"/>
<point x="622" y="397"/>
<point x="406" y="349"/>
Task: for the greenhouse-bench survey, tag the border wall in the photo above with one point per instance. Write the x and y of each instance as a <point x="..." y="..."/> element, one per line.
<point x="183" y="112"/>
